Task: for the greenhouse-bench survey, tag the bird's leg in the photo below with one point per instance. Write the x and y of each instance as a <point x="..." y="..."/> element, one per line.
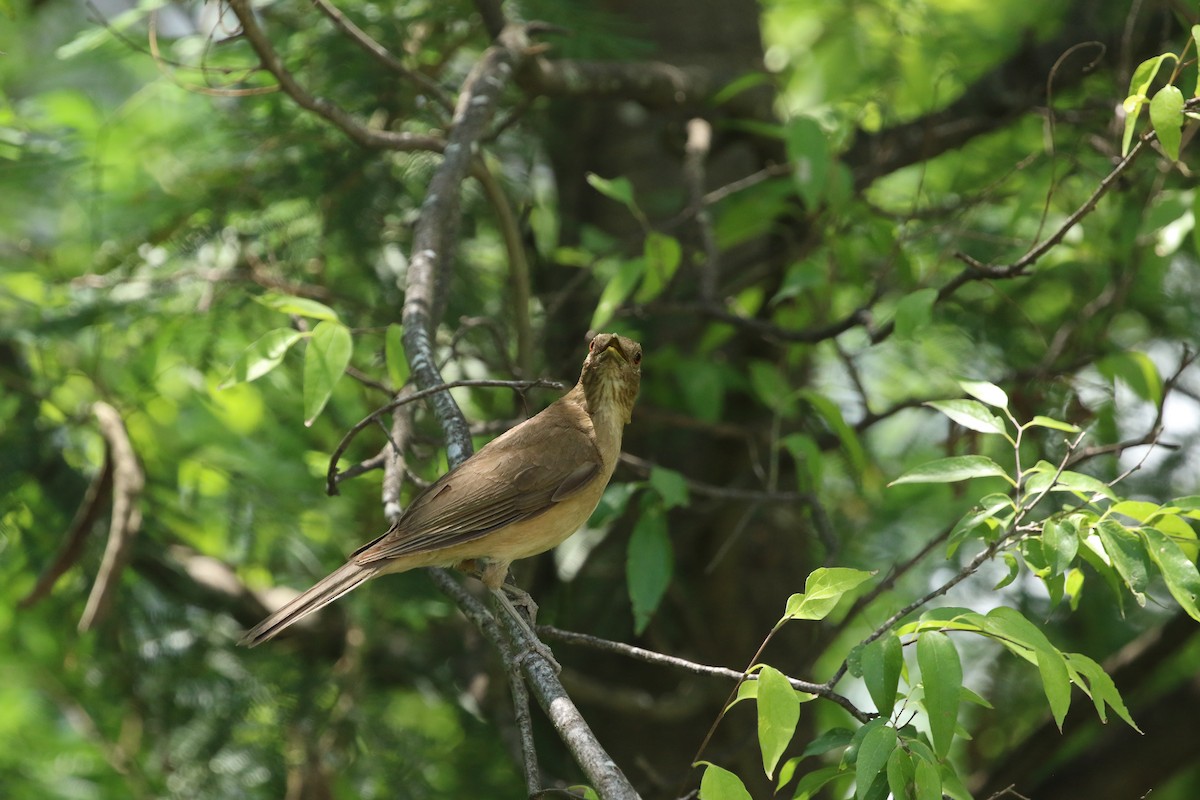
<point x="520" y="599"/>
<point x="493" y="575"/>
<point x="536" y="644"/>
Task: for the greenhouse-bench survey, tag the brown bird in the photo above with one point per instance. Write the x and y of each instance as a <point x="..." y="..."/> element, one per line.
<point x="521" y="494"/>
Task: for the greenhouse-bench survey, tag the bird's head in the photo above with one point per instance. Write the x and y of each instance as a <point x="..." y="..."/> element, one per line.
<point x="611" y="374"/>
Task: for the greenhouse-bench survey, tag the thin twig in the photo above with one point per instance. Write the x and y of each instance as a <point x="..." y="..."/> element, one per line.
<point x="326" y="109"/>
<point x="381" y="54"/>
<point x="331" y="475"/>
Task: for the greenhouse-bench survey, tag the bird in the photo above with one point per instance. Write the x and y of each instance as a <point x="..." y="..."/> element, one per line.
<point x="521" y="494"/>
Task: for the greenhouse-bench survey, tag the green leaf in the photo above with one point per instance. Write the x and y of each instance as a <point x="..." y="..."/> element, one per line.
<point x="772" y="387"/>
<point x="1133" y="109"/>
<point x="300" y="306"/>
<point x="831" y="739"/>
<point x="1014" y="569"/>
<point x="823" y="589"/>
<point x="954" y="468"/>
<point x="928" y="780"/>
<point x="873" y="754"/>
<point x="393" y="353"/>
<point x="619" y="189"/>
<point x="587" y="792"/>
<point x="808" y="786"/>
<point x="649" y="565"/>
<point x="670" y="485"/>
<point x="900" y="774"/>
<point x="832" y="415"/>
<point x="882" y="662"/>
<point x="1041" y="474"/>
<point x="1061" y="540"/>
<point x="1055" y="682"/>
<point x="662" y="254"/>
<point x="986" y="392"/>
<point x="325" y="359"/>
<point x="970" y="414"/>
<point x="778" y="713"/>
<point x="721" y="784"/>
<point x="1024" y="638"/>
<point x="738" y="85"/>
<point x="983" y="514"/>
<point x="1054" y="424"/>
<point x="914" y="311"/>
<point x="1128" y="555"/>
<point x="616" y="291"/>
<point x="1166" y="115"/>
<point x="941" y="675"/>
<point x="1136" y="371"/>
<point x="808" y="151"/>
<point x="1100" y="687"/>
<point x="1179" y="571"/>
<point x="262" y="356"/>
<point x="1146" y="72"/>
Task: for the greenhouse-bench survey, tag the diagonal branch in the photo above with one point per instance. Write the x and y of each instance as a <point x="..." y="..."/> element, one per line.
<point x="327" y="109"/>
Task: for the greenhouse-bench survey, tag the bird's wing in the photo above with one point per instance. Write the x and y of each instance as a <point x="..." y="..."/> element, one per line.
<point x="516" y="476"/>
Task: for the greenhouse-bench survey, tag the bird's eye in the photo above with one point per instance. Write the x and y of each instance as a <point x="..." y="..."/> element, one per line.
<point x="637" y="357"/>
<point x="592" y="346"/>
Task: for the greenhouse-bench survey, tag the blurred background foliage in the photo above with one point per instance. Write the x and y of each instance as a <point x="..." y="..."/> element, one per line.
<point x="153" y="196"/>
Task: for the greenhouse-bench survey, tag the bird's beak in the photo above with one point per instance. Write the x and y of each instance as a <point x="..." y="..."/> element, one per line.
<point x="615" y="346"/>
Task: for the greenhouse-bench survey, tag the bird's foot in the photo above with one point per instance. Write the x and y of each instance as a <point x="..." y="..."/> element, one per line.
<point x="536" y="645"/>
<point x="521" y="599"/>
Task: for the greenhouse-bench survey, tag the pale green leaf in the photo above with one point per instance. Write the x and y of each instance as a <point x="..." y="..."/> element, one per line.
<point x="778" y="713"/>
<point x="808" y="786"/>
<point x="1100" y="687"/>
<point x="649" y="564"/>
<point x="1055" y="682"/>
<point x="970" y="414"/>
<point x="721" y="784"/>
<point x="832" y="415"/>
<point x="772" y="387"/>
<point x="1179" y="571"/>
<point x="986" y="392"/>
<point x="900" y="774"/>
<point x="928" y="780"/>
<point x="393" y="352"/>
<point x="877" y="745"/>
<point x="882" y="662"/>
<point x="619" y="189"/>
<point x="1127" y="553"/>
<point x="831" y="739"/>
<point x="941" y="676"/>
<point x="262" y="356"/>
<point x="1166" y="115"/>
<point x="1061" y="540"/>
<point x="325" y="360"/>
<point x="1014" y="570"/>
<point x="823" y="589"/>
<point x="1137" y="371"/>
<point x="616" y="291"/>
<point x="300" y="306"/>
<point x="670" y="485"/>
<point x="1054" y="424"/>
<point x="808" y="151"/>
<point x="662" y="254"/>
<point x="954" y="468"/>
<point x="913" y="312"/>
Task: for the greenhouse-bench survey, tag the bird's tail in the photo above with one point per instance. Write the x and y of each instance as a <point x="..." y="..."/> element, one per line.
<point x="330" y="588"/>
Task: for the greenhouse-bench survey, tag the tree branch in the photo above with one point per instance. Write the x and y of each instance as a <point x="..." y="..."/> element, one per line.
<point x="326" y="109"/>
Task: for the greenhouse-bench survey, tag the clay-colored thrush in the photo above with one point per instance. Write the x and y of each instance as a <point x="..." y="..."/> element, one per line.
<point x="521" y="494"/>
